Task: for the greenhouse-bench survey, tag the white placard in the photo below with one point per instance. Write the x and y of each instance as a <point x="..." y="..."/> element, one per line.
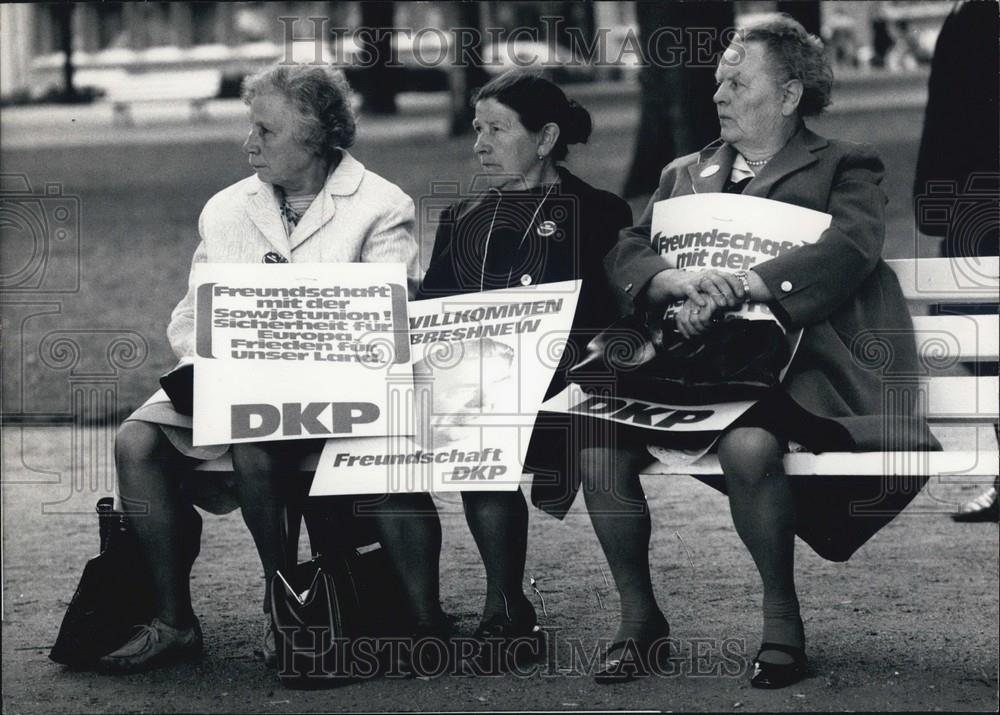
<point x="731" y="232"/>
<point x="296" y="350"/>
<point x="481" y="365"/>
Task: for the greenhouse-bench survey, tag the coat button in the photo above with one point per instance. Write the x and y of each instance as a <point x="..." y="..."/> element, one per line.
<point x="272" y="257"/>
<point x="546" y="229"/>
<point x="786" y="286"/>
<point x="526" y="280"/>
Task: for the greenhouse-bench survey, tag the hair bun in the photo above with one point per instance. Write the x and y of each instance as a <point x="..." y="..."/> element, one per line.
<point x="578" y="125"/>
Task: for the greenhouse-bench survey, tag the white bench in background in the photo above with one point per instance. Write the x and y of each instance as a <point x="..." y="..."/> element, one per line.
<point x="195" y="87"/>
<point x="951" y="400"/>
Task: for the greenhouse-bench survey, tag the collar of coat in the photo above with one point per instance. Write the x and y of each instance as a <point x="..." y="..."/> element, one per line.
<point x="797" y="154"/>
<point x="569" y="184"/>
<point x="265" y="212"/>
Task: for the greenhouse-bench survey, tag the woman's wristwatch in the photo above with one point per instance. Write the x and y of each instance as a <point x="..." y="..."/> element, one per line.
<point x="744" y="278"/>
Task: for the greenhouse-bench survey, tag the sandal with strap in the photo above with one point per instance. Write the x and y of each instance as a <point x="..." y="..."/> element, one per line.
<point x="771" y="676"/>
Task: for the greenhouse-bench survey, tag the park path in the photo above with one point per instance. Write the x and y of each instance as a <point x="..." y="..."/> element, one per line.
<point x="909" y="623"/>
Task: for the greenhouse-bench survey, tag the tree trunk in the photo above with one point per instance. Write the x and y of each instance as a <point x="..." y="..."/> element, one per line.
<point x="677" y="81"/>
<point x="64" y="12"/>
<point x="466" y="74"/>
<point x="805" y="11"/>
<point x="378" y="84"/>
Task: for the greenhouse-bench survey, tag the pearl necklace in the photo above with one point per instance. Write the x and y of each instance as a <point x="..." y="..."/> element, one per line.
<point x="757" y="163"/>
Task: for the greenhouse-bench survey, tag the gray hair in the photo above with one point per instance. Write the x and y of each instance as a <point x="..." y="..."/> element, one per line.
<point x="322" y="97"/>
<point x="795" y="54"/>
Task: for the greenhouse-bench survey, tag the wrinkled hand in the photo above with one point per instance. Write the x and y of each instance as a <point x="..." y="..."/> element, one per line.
<point x="724" y="290"/>
<point x="693" y="319"/>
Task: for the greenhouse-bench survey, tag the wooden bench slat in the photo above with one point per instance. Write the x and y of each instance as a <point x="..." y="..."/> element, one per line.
<point x="970" y="463"/>
<point x="225" y="464"/>
<point x="964" y="399"/>
<point x="987" y="445"/>
<point x="942" y="280"/>
<point x="965" y="338"/>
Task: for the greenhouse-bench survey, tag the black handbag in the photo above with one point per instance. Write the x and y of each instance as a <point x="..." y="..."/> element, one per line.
<point x="114" y="594"/>
<point x="179" y="386"/>
<point x="331" y="614"/>
<point x="736" y="359"/>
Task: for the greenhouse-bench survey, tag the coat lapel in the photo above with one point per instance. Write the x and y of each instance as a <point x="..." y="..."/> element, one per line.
<point x="709" y="174"/>
<point x="262" y="208"/>
<point x="319" y="213"/>
<point x="343" y="181"/>
<point x="797" y="154"/>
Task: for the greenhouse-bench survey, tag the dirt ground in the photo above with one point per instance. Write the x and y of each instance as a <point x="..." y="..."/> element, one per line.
<point x="910" y="623"/>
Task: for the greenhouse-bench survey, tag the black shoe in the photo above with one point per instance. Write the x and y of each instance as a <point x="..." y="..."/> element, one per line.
<point x="426" y="651"/>
<point x="506" y="644"/>
<point x="771" y="676"/>
<point x="635" y="658"/>
<point x="982" y="508"/>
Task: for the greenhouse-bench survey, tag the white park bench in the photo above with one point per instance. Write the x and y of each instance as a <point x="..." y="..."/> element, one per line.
<point x="195" y="87"/>
<point x="951" y="400"/>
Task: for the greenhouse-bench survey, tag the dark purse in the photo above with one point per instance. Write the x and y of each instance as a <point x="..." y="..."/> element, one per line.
<point x="330" y="612"/>
<point x="179" y="386"/>
<point x="736" y="359"/>
<point x="114" y="594"/>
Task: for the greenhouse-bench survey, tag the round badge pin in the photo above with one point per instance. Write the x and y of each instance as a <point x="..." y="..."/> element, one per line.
<point x="546" y="228"/>
<point x="709" y="171"/>
<point x="526" y="280"/>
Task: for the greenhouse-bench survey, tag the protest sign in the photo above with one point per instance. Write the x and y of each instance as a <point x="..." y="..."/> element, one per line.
<point x="731" y="232"/>
<point x="649" y="416"/>
<point x="481" y="365"/>
<point x="296" y="351"/>
<point x="692" y="429"/>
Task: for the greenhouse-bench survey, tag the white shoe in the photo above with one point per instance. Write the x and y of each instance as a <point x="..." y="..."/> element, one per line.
<point x="152" y="646"/>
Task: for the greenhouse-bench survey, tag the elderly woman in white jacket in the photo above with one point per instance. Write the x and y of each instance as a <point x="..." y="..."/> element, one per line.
<point x="309" y="201"/>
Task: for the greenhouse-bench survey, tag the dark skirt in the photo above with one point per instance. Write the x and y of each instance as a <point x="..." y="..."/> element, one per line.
<point x="835" y="515"/>
<point x="553" y="458"/>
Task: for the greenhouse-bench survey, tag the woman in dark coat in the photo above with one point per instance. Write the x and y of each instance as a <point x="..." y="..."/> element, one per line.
<point x="856" y="354"/>
<point x="535" y="223"/>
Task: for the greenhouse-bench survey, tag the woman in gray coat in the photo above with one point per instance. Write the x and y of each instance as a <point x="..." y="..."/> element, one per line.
<point x="857" y="341"/>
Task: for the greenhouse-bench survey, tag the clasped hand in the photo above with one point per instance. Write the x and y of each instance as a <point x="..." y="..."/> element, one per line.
<point x="705" y="294"/>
